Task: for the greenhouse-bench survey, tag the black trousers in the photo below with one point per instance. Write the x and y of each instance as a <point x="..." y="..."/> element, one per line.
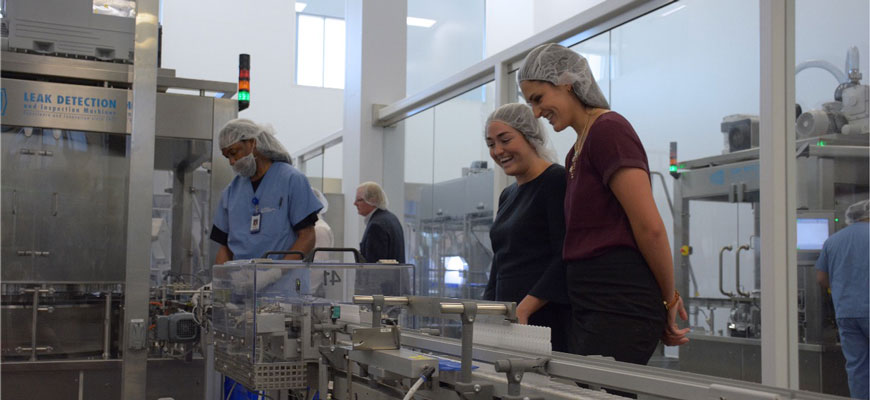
<point x="616" y="306"/>
<point x="558" y="317"/>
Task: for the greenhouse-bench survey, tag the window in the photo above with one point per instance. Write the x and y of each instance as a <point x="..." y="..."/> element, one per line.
<point x="319" y="51"/>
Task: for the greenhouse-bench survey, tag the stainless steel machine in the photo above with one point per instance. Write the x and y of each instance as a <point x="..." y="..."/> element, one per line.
<point x="296" y="330"/>
<point x="832" y="169"/>
<point x="65" y="176"/>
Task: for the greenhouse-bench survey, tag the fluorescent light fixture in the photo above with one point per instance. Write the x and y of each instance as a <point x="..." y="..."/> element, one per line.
<point x="421" y="22"/>
<point x="301" y="6"/>
<point x="665" y="14"/>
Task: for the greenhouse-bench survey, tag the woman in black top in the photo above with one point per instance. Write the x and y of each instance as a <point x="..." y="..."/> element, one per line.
<point x="529" y="228"/>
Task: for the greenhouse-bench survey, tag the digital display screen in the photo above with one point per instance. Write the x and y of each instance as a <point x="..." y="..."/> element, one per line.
<point x="811" y="233"/>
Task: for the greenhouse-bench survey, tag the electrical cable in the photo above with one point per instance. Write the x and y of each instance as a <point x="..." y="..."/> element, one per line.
<point x="424" y="376"/>
<point x="231" y="391"/>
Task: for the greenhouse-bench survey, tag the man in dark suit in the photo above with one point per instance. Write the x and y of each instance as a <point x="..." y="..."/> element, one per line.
<point x="383" y="239"/>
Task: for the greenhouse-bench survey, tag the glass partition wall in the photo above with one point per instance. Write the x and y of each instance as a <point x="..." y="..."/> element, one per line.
<point x="696" y="108"/>
<point x="448" y="195"/>
<point x="832" y="46"/>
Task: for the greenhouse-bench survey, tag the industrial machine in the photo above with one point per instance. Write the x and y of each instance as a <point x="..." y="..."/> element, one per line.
<point x="831" y="158"/>
<point x="309" y="330"/>
<point x="66" y="113"/>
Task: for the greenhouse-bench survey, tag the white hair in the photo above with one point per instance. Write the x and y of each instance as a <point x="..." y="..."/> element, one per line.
<point x="373" y="194"/>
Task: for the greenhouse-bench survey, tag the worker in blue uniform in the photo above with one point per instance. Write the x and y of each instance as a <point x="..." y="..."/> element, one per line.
<point x="269" y="205"/>
<point x="844" y="266"/>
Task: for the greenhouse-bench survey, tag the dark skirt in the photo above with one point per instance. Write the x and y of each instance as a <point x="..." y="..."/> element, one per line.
<point x="617" y="308"/>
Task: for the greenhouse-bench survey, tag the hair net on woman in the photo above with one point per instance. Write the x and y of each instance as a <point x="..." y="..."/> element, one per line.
<point x="559" y="65"/>
<point x="244" y="129"/>
<point x="858" y="211"/>
<point x="374" y="195"/>
<point x="522" y="118"/>
<point x="323" y="201"/>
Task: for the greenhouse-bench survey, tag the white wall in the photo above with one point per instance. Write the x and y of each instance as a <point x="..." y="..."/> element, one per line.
<point x="508" y="22"/>
<point x="455" y="42"/>
<point x="203" y="38"/>
<point x="550" y="12"/>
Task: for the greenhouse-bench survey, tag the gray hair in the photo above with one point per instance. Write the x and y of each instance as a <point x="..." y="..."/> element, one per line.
<point x="245" y="129"/>
<point x="374" y="195"/>
<point x="560" y="65"/>
<point x="857" y="212"/>
<point x="522" y="118"/>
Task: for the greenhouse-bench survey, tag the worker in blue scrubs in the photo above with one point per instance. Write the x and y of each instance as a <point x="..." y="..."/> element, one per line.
<point x="269" y="205"/>
<point x="844" y="267"/>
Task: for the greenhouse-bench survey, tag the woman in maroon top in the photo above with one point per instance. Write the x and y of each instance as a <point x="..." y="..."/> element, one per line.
<point x="619" y="269"/>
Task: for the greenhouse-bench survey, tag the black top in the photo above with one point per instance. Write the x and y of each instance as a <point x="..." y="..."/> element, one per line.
<point x="527" y="238"/>
<point x="383" y="239"/>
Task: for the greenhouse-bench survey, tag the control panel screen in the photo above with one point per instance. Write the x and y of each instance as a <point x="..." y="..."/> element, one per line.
<point x="811" y="233"/>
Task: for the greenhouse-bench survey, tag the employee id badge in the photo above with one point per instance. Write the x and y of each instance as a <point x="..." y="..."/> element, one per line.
<point x="255" y="223"/>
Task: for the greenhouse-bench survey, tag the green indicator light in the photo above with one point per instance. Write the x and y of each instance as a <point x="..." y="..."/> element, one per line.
<point x="821" y="143"/>
<point x="244" y="96"/>
<point x="836" y="220"/>
<point x="673" y="168"/>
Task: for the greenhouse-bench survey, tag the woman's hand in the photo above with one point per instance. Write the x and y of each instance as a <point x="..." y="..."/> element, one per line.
<point x="674" y="336"/>
<point x="527" y="307"/>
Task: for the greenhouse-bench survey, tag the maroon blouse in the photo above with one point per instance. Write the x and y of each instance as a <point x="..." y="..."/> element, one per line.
<point x="594" y="220"/>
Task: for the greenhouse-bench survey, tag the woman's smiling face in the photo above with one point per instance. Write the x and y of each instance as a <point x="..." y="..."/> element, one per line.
<point x="557" y="104"/>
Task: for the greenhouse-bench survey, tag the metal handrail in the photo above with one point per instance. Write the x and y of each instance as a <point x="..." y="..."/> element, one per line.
<point x="721" y="288"/>
<point x="737" y="269"/>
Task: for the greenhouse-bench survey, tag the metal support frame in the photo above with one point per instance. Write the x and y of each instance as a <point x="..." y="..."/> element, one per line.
<point x="514" y="368"/>
<point x="140" y="196"/>
<point x="659" y="382"/>
<point x="779" y="338"/>
<point x="469" y="313"/>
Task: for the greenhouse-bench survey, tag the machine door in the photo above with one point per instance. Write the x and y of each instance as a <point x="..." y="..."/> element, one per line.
<point x="66" y="214"/>
<point x="82" y="207"/>
<point x="20" y="160"/>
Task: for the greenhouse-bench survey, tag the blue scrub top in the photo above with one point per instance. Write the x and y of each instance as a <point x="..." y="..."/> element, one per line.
<point x="284" y="198"/>
<point x="845" y="258"/>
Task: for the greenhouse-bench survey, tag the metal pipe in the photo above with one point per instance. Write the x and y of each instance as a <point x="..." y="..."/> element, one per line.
<point x="349" y="379"/>
<point x="388" y="300"/>
<point x="81" y="385"/>
<point x="483" y="308"/>
<point x="33" y="325"/>
<point x="721" y="288"/>
<point x="322" y="377"/>
<point x="107" y="326"/>
<point x="737" y="269"/>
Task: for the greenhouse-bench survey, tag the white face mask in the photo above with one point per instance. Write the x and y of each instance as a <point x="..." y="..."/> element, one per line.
<point x="246" y="166"/>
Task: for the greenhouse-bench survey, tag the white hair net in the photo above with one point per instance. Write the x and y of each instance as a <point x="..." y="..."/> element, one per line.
<point x="522" y="118"/>
<point x="374" y="195"/>
<point x="560" y="65"/>
<point x="244" y="129"/>
<point x="858" y="211"/>
<point x="323" y="201"/>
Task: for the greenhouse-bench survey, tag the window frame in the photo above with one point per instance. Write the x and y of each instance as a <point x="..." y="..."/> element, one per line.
<point x="323" y="18"/>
